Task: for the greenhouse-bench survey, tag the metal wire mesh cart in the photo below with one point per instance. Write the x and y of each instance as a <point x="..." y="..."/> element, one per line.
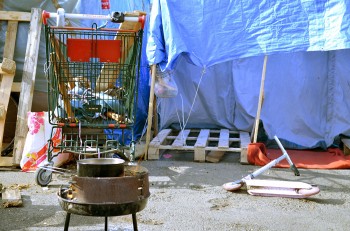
<point x="92" y="89"/>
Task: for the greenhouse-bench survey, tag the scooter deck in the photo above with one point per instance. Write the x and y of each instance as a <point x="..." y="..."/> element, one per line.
<point x="272" y="188"/>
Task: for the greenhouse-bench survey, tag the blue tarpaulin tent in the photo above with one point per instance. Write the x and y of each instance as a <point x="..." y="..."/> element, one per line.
<point x="215" y="50"/>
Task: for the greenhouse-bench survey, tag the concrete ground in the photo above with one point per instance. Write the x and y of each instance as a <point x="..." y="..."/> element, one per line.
<point x="186" y="195"/>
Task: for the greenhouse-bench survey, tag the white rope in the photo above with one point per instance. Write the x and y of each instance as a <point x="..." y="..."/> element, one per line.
<point x="184" y="124"/>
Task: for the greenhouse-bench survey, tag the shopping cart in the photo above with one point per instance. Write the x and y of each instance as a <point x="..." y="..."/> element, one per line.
<point x="93" y="78"/>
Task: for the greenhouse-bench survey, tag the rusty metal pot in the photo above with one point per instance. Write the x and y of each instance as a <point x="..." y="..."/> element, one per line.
<point x="131" y="187"/>
<point x="111" y="196"/>
<point x="101" y="167"/>
<point x="106" y="196"/>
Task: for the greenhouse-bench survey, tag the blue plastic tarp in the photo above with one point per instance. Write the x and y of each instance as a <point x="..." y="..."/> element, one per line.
<point x="215" y="50"/>
<point x="215" y="31"/>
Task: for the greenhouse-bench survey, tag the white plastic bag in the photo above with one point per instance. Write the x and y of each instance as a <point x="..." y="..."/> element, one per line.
<point x="165" y="86"/>
<point x="36" y="145"/>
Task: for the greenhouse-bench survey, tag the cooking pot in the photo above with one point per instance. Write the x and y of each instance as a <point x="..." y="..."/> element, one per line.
<point x="101" y="167"/>
<point x="133" y="186"/>
<point x="107" y="196"/>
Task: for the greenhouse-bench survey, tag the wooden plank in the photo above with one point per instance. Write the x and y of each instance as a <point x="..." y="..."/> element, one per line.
<point x="7" y="79"/>
<point x="181" y="138"/>
<point x="28" y="81"/>
<point x="5" y="93"/>
<point x="191" y="138"/>
<point x="153" y="148"/>
<point x="8" y="68"/>
<point x="179" y="148"/>
<point x="6" y="161"/>
<point x="260" y="102"/>
<point x="224" y="138"/>
<point x="245" y="141"/>
<point x="159" y="139"/>
<point x="346" y="147"/>
<point x="199" y="147"/>
<point x="14" y="16"/>
<point x="16" y="87"/>
<point x="192" y="148"/>
<point x="214" y="156"/>
<point x="150" y="113"/>
<point x="215" y="131"/>
<point x="10" y="40"/>
<point x="203" y="137"/>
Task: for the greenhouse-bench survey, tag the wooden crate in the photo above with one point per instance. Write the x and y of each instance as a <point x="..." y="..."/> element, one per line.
<point x="207" y="144"/>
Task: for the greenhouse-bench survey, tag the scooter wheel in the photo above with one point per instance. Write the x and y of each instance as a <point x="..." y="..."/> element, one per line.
<point x="231" y="186"/>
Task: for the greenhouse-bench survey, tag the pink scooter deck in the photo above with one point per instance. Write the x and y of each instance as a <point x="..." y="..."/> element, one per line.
<point x="272" y="188"/>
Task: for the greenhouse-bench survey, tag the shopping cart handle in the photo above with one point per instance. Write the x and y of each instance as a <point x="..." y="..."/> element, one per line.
<point x="142" y="20"/>
<point x="61" y="16"/>
<point x="117" y="17"/>
<point x="45" y="15"/>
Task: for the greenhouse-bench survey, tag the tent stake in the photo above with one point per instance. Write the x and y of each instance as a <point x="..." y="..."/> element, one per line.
<point x="261" y="98"/>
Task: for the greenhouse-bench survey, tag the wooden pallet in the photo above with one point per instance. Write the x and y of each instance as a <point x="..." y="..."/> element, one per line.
<point x="208" y="144"/>
<point x="26" y="86"/>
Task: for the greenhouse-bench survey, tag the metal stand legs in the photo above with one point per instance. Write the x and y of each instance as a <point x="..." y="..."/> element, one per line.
<point x="134" y="222"/>
<point x="66" y="223"/>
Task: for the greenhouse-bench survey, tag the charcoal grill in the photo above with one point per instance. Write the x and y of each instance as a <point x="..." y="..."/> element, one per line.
<point x="106" y="196"/>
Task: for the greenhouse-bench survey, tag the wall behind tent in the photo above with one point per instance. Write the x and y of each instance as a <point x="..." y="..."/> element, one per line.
<point x="72" y="6"/>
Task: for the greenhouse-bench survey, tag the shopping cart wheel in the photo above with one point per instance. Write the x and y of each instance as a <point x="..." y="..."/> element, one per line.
<point x="43" y="176"/>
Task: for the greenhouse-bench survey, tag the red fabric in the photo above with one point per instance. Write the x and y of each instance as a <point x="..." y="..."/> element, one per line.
<point x="333" y="158"/>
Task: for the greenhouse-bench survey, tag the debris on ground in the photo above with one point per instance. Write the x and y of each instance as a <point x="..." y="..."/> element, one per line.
<point x="11" y="198"/>
<point x="19" y="186"/>
<point x="11" y="195"/>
